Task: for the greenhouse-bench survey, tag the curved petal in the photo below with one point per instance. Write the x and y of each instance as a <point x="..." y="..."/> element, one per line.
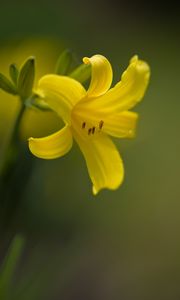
<point x="126" y="93"/>
<point x="121" y="125"/>
<point x="103" y="161"/>
<point x="61" y="93"/>
<point x="101" y="77"/>
<point x="52" y="146"/>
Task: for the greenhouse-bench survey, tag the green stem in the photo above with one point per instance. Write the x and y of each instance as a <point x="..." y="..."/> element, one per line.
<point x="15" y="173"/>
<point x="17" y="123"/>
<point x="13" y="141"/>
<point x="9" y="266"/>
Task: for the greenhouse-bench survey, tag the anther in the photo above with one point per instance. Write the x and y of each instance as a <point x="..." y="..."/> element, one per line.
<point x="93" y="130"/>
<point x="83" y="125"/>
<point x="89" y="131"/>
<point x="101" y="123"/>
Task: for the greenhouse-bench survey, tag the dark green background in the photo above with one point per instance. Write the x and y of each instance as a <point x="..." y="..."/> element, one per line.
<point x="123" y="244"/>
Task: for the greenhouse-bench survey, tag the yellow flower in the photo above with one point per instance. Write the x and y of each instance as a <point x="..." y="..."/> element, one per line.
<point x="90" y="116"/>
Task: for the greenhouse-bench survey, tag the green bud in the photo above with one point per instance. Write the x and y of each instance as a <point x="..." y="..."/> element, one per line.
<point x="14" y="73"/>
<point x="64" y="62"/>
<point x="26" y="78"/>
<point x="35" y="102"/>
<point x="81" y="73"/>
<point x="6" y="85"/>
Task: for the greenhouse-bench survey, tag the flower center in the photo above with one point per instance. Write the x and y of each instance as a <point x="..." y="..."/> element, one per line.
<point x="88" y="123"/>
<point x="91" y="130"/>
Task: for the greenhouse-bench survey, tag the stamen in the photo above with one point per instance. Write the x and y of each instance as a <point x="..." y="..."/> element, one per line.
<point x="83" y="125"/>
<point x="93" y="130"/>
<point x="89" y="131"/>
<point x="101" y="123"/>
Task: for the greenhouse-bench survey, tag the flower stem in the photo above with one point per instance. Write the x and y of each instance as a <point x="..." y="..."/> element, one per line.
<point x="12" y="143"/>
<point x="15" y="172"/>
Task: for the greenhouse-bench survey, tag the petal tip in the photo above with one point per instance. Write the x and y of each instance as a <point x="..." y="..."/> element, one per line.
<point x="112" y="187"/>
<point x="101" y="75"/>
<point x="134" y="58"/>
<point x="94" y="191"/>
<point x="142" y="67"/>
<point x="31" y="145"/>
<point x="86" y="60"/>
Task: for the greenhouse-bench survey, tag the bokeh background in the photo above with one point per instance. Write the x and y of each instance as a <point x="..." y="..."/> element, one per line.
<point x="117" y="245"/>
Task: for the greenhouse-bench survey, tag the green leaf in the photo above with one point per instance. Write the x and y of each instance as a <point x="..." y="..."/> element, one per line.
<point x="6" y="85"/>
<point x="14" y="73"/>
<point x="64" y="62"/>
<point x="81" y="73"/>
<point x="9" y="265"/>
<point x="26" y="78"/>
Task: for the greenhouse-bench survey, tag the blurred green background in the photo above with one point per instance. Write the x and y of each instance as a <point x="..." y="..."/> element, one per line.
<point x="117" y="245"/>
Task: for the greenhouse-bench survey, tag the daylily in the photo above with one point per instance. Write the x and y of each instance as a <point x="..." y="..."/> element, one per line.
<point x="90" y="116"/>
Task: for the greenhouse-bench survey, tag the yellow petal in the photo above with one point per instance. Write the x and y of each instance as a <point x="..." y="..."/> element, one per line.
<point x="101" y="77"/>
<point x="103" y="161"/>
<point x="126" y="93"/>
<point x="61" y="93"/>
<point x="121" y="125"/>
<point x="52" y="146"/>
